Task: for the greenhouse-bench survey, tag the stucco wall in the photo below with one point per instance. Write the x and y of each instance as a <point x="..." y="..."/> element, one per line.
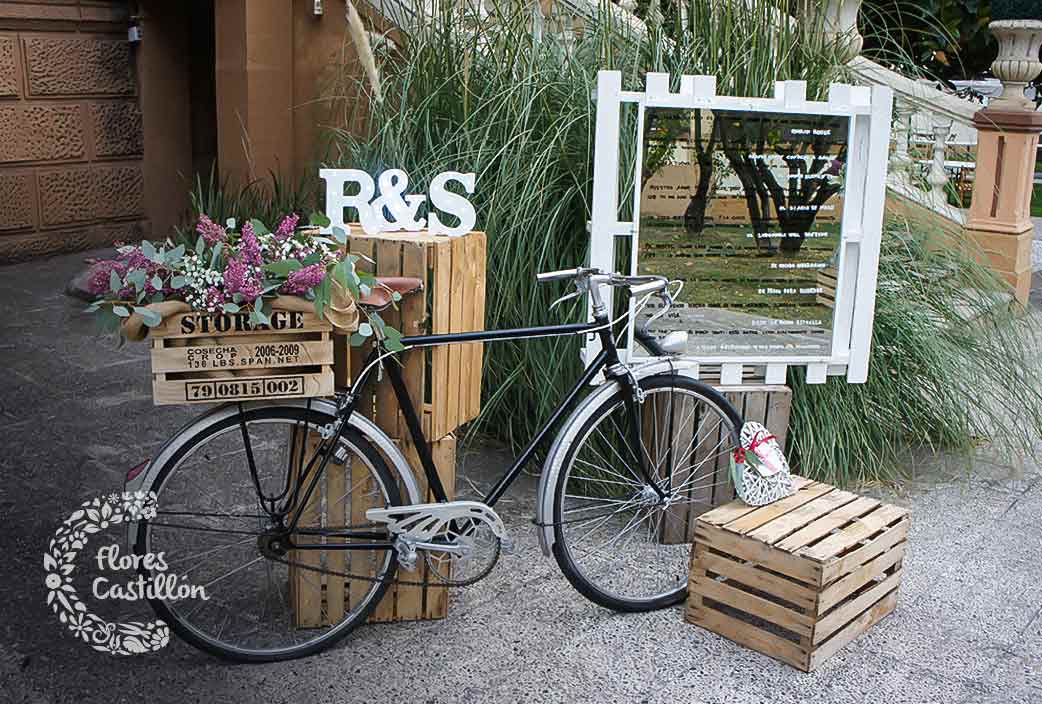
<point x="71" y="136"/>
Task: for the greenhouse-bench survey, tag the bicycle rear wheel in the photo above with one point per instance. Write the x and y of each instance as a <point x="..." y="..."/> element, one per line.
<point x="619" y="542"/>
<point x="266" y="602"/>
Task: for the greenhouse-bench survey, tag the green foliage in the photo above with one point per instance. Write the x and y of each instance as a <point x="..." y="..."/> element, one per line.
<point x="1036" y="201"/>
<point x="949" y="368"/>
<point x="485" y="95"/>
<point x="945" y="38"/>
<point x="1016" y="10"/>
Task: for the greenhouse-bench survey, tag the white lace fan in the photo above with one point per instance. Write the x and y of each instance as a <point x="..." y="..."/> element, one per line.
<point x="759" y="468"/>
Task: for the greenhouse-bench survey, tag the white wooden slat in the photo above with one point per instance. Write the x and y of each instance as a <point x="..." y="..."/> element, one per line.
<point x="816" y="373"/>
<point x="730" y="374"/>
<point x="776" y="373"/>
<point x="882" y="100"/>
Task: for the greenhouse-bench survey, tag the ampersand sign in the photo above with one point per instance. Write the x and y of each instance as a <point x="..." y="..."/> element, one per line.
<point x="393" y="183"/>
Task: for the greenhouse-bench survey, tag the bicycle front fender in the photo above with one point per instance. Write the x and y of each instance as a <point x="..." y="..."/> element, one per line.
<point x="369" y="430"/>
<point x="555" y="458"/>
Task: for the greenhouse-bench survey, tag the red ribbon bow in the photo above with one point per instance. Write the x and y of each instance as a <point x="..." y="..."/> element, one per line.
<point x="758" y="439"/>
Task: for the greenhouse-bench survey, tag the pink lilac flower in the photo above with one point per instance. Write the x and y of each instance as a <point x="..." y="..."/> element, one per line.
<point x="249" y="247"/>
<point x="286" y="227"/>
<point x="100" y="275"/>
<point x="239" y="279"/>
<point x="303" y="280"/>
<point x="212" y="232"/>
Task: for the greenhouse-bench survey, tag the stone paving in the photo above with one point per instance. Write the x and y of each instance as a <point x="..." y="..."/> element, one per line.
<point x="77" y="413"/>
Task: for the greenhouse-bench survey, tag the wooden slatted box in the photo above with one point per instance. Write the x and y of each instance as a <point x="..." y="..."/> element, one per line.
<point x="800" y="578"/>
<point x="204" y="358"/>
<point x="444" y="382"/>
<point x="319" y="598"/>
<point x="765" y="403"/>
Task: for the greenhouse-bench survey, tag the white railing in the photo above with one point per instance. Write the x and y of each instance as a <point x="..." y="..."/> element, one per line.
<point x="926" y="119"/>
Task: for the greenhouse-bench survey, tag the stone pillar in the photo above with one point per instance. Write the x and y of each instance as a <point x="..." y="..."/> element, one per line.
<point x="254" y="53"/>
<point x="1000" y="214"/>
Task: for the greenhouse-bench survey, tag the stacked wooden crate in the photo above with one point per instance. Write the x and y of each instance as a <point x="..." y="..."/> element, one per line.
<point x="443" y="382"/>
<point x="768" y="404"/>
<point x="800" y="578"/>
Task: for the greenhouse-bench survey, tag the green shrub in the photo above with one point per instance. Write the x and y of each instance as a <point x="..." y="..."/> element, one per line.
<point x="486" y="95"/>
<point x="1016" y="10"/>
<point x="952" y="364"/>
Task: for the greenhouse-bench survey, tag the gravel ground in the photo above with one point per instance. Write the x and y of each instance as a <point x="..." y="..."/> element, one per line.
<point x="77" y="414"/>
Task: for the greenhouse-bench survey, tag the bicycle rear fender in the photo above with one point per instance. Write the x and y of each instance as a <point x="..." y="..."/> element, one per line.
<point x="555" y="459"/>
<point x="396" y="460"/>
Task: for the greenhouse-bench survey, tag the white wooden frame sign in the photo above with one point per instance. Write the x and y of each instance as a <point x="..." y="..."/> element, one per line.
<point x="865" y="111"/>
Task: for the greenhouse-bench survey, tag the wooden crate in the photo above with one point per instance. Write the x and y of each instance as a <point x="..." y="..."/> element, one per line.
<point x="319" y="598"/>
<point x="800" y="578"/>
<point x="444" y="382"/>
<point x="202" y="358"/>
<point x="764" y="403"/>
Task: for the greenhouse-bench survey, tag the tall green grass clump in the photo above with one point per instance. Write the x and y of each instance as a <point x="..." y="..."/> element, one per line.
<point x="954" y="365"/>
<point x="491" y="95"/>
<point x="513" y="102"/>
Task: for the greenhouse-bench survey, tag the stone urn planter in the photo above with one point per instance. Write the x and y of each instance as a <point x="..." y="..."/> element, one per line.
<point x="1018" y="27"/>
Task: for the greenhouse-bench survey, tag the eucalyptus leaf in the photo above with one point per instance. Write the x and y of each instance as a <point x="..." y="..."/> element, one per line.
<point x="149" y="250"/>
<point x="216" y="254"/>
<point x="92" y="308"/>
<point x="121" y="311"/>
<point x="259" y="228"/>
<point x="365" y="330"/>
<point x="395" y="296"/>
<point x="229" y="223"/>
<point x="394" y="344"/>
<point x="137" y="278"/>
<point x="357" y="339"/>
<point x="319" y="220"/>
<point x="149" y="316"/>
<point x="175" y="255"/>
<point x="231" y="308"/>
<point x="178" y="282"/>
<point x="283" y="268"/>
<point x="200" y="245"/>
<point x="157" y="282"/>
<point x="115" y="283"/>
<point x="158" y="297"/>
<point x="340" y="234"/>
<point x="313" y="258"/>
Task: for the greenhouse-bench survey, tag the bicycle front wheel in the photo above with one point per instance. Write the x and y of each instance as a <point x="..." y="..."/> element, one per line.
<point x="620" y="541"/>
<point x="265" y="598"/>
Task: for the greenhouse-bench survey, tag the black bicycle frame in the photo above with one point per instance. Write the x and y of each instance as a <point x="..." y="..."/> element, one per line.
<point x="607" y="360"/>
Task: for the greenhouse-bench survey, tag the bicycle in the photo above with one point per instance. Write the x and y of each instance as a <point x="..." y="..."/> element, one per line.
<point x="232" y="486"/>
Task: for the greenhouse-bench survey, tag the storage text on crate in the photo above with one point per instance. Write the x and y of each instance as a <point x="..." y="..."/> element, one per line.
<point x="403" y="208"/>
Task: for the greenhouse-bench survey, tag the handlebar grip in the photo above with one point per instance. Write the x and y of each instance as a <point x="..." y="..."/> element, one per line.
<point x="650" y="287"/>
<point x="557" y="275"/>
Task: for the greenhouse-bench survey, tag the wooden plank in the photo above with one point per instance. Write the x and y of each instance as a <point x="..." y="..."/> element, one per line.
<point x="363" y="248"/>
<point x="413" y="315"/>
<point x="779" y="408"/>
<point x="441" y="309"/>
<point x="851" y="535"/>
<point x="388" y="263"/>
<point x="436" y="599"/>
<point x="736" y="509"/>
<point x="757" y="606"/>
<point x="666" y="413"/>
<point x="750" y="575"/>
<point x="855" y="628"/>
<point x="855" y="558"/>
<point x="459" y="279"/>
<point x="741" y="547"/>
<point x="748" y="635"/>
<point x="337" y="514"/>
<point x="307" y="588"/>
<point x="216" y="325"/>
<point x="230" y="357"/>
<point x="241" y="388"/>
<point x="479" y="259"/>
<point x="842" y="588"/>
<point x="765" y="514"/>
<point x="826" y="524"/>
<point x="842" y="615"/>
<point x="780" y="527"/>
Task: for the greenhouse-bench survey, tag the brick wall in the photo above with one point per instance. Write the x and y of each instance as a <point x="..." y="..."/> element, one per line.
<point x="71" y="140"/>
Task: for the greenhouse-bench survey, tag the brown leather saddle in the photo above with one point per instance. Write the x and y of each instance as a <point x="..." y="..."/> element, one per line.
<point x="382" y="294"/>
